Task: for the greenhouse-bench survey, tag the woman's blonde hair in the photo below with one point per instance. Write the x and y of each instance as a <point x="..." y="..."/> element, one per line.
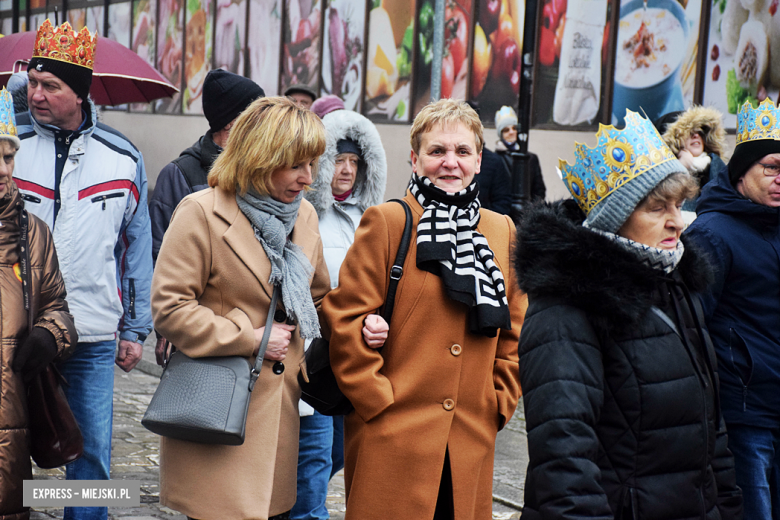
<point x="445" y="112"/>
<point x="677" y="187"/>
<point x="271" y="134"/>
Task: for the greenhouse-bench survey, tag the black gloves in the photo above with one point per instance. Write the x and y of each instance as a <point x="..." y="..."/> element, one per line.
<point x="37" y="351"/>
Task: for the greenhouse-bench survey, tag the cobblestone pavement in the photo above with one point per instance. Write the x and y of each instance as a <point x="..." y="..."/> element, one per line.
<point x="135" y="456"/>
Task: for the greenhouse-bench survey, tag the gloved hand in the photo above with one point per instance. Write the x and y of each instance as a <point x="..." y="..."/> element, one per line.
<point x="37" y="351"/>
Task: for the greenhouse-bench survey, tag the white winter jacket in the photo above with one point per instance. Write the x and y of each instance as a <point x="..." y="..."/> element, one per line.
<point x="102" y="231"/>
<point x="340" y="220"/>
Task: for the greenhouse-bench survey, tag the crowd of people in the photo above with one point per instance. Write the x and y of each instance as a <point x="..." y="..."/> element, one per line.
<point x="640" y="316"/>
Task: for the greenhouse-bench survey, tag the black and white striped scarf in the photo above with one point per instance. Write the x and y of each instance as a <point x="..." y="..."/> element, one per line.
<point x="449" y="246"/>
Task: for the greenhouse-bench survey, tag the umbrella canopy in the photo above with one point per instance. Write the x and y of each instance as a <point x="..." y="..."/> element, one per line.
<point x="120" y="75"/>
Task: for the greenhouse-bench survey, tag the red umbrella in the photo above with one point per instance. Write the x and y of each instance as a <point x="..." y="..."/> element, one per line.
<point x="120" y="75"/>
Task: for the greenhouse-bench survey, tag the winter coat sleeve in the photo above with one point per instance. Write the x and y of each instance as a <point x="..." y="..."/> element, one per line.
<point x="505" y="367"/>
<point x="53" y="313"/>
<point x="562" y="373"/>
<point x="719" y="255"/>
<point x="500" y="195"/>
<point x="538" y="189"/>
<point x="361" y="291"/>
<point x="180" y="278"/>
<point x="729" y="495"/>
<point x="170" y="189"/>
<point x="134" y="259"/>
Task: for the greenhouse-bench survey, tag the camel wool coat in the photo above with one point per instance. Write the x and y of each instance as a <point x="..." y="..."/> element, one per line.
<point x="434" y="387"/>
<point x="210" y="291"/>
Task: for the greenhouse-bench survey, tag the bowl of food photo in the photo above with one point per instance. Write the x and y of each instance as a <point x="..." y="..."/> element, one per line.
<point x="651" y="46"/>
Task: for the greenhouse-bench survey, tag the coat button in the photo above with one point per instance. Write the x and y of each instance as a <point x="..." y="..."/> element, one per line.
<point x="280" y="316"/>
<point x="448" y="404"/>
<point x="456" y="349"/>
<point x="278" y="368"/>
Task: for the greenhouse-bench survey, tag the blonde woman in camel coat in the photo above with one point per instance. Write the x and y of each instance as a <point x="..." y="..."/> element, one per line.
<point x="211" y="293"/>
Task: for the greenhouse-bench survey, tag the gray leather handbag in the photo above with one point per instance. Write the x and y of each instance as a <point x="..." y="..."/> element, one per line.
<point x="206" y="399"/>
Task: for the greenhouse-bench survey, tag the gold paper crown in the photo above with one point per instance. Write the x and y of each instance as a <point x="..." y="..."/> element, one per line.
<point x="619" y="156"/>
<point x="7" y="119"/>
<point x="754" y="124"/>
<point x="64" y="44"/>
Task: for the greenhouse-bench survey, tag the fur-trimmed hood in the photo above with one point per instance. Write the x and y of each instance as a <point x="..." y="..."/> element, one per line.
<point x="698" y="119"/>
<point x="559" y="258"/>
<point x="371" y="179"/>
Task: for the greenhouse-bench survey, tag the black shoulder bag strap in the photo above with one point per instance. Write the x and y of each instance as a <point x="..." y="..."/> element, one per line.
<point x="397" y="271"/>
<point x="24" y="266"/>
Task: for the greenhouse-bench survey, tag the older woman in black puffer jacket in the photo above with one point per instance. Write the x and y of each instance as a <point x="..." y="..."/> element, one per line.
<point x="618" y="371"/>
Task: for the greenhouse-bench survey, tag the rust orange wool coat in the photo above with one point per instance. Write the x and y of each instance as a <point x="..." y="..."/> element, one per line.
<point x="434" y="386"/>
<point x="210" y="291"/>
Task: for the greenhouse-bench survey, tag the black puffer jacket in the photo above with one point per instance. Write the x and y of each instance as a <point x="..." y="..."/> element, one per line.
<point x="621" y="411"/>
<point x="186" y="174"/>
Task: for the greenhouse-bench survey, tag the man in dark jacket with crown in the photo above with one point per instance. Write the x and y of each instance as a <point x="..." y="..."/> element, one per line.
<point x="739" y="227"/>
<point x="618" y="372"/>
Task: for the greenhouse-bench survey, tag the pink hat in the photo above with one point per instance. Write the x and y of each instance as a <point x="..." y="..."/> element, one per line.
<point x="326" y="105"/>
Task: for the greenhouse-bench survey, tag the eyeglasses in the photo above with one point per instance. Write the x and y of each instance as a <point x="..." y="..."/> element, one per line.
<point x="771" y="170"/>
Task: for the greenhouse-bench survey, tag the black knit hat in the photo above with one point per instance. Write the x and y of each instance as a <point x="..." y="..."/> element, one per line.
<point x="349" y="146"/>
<point x="747" y="154"/>
<point x="226" y="95"/>
<point x="78" y="78"/>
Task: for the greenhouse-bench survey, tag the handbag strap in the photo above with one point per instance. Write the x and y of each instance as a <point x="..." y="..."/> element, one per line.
<point x="397" y="271"/>
<point x="269" y="323"/>
<point x="24" y="265"/>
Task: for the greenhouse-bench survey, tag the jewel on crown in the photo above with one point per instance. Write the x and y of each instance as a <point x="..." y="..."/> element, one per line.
<point x="618" y="157"/>
<point x="754" y="124"/>
<point x="64" y="44"/>
<point x="7" y="120"/>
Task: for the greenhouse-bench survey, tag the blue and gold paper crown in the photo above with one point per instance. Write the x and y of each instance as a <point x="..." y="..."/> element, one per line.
<point x="619" y="156"/>
<point x="7" y="119"/>
<point x="754" y="124"/>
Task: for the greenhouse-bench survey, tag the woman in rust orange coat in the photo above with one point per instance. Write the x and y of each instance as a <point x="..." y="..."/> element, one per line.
<point x="428" y="406"/>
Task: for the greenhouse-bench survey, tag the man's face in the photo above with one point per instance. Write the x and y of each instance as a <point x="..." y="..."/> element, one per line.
<point x="303" y="100"/>
<point x="52" y="101"/>
<point x="761" y="182"/>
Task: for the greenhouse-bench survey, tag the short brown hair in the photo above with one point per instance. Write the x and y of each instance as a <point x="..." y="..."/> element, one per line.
<point x="445" y="112"/>
<point x="272" y="133"/>
<point x="676" y="187"/>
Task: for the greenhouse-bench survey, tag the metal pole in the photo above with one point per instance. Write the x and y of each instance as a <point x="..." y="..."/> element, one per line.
<point x="438" y="49"/>
<point x="15" y="14"/>
<point x="521" y="176"/>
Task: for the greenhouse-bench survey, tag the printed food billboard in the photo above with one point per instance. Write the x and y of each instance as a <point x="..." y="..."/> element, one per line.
<point x="497" y="51"/>
<point x="197" y="56"/>
<point x="389" y="60"/>
<point x="170" y="36"/>
<point x="301" y="55"/>
<point x="655" y="57"/>
<point x="571" y="56"/>
<point x="743" y="55"/>
<point x="265" y="43"/>
<point x="342" y="54"/>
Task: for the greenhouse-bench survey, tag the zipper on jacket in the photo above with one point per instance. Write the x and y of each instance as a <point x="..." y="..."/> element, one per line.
<point x="31" y="198"/>
<point x="103" y="198"/>
<point x="131" y="291"/>
<point x="346" y="216"/>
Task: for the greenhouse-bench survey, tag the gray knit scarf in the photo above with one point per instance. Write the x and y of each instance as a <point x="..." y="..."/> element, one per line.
<point x="661" y="259"/>
<point x="273" y="222"/>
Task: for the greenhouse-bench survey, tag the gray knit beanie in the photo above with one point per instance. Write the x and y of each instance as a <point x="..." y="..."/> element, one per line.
<point x="612" y="212"/>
